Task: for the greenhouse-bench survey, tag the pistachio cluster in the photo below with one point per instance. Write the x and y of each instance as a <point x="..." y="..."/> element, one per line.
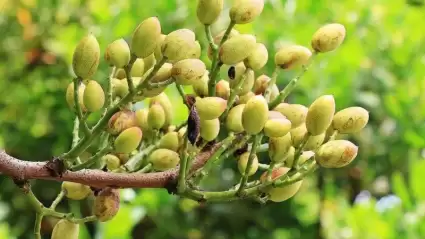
<point x="242" y="112"/>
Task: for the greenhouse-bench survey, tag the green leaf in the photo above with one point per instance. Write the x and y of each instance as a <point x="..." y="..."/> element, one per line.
<point x="400" y="189"/>
<point x="417" y="169"/>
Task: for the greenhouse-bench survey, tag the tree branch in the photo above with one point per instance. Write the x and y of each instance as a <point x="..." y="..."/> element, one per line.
<point x="24" y="170"/>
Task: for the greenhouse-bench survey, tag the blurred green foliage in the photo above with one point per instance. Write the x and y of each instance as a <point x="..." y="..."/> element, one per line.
<point x="380" y="67"/>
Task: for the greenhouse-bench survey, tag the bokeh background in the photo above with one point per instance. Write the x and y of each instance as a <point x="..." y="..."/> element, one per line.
<point x="380" y="66"/>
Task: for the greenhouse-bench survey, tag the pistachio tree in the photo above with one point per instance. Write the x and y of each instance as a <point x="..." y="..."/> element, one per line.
<point x="238" y="116"/>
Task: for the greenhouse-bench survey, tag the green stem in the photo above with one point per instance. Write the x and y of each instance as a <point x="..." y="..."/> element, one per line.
<point x="263" y="148"/>
<point x="84" y="143"/>
<point x="127" y="70"/>
<point x="271" y="84"/>
<point x="210" y="39"/>
<point x="57" y="200"/>
<point x="83" y="220"/>
<point x="181" y="186"/>
<point x="270" y="170"/>
<point x="161" y="84"/>
<point x="110" y="92"/>
<point x="146" y="169"/>
<point x="299" y="151"/>
<point x="244" y="180"/>
<point x="135" y="162"/>
<point x="291" y="85"/>
<point x="182" y="94"/>
<point x="75" y="132"/>
<point x="37" y="225"/>
<point x="233" y="93"/>
<point x="78" y="110"/>
<point x="92" y="160"/>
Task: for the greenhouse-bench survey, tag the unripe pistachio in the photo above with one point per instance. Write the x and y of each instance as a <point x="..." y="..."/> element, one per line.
<point x="336" y="154"/>
<point x="156" y="116"/>
<point x="243" y="99"/>
<point x="112" y="161"/>
<point x="275" y="115"/>
<point x="188" y="71"/>
<point x="289" y="57"/>
<point x="217" y="39"/>
<point x="106" y="204"/>
<point x="85" y="59"/>
<point x="280" y="194"/>
<point x="195" y="50"/>
<point x="236" y="49"/>
<point x="320" y="114"/>
<point x="93" y="97"/>
<point x="142" y="119"/>
<point x="255" y="114"/>
<point x="65" y="229"/>
<point x="128" y="140"/>
<point x="261" y="84"/>
<point x="158" y="49"/>
<point x="163" y="74"/>
<point x="258" y="57"/>
<point x="179" y="45"/>
<point x="328" y="37"/>
<point x="298" y="135"/>
<point x="149" y="62"/>
<point x="208" y="11"/>
<point x="170" y="141"/>
<point x="138" y="68"/>
<point x="164" y="159"/>
<point x="274" y="92"/>
<point x="119" y="88"/>
<point x="245" y="11"/>
<point x="200" y="87"/>
<point x="118" y="53"/>
<point x="210" y="107"/>
<point x="234" y="119"/>
<point x="277" y="127"/>
<point x="295" y="113"/>
<point x="248" y="77"/>
<point x="222" y="89"/>
<point x="314" y="142"/>
<point x="243" y="162"/>
<point x="76" y="191"/>
<point x="121" y="121"/>
<point x="120" y="74"/>
<point x="350" y="120"/>
<point x="146" y="37"/>
<point x="165" y="102"/>
<point x="70" y="96"/>
<point x="123" y="157"/>
<point x="279" y="147"/>
<point x="210" y="129"/>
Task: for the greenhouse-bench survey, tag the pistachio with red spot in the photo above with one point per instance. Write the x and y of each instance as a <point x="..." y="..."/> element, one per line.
<point x="245" y="11"/>
<point x="222" y="89"/>
<point x="328" y="37"/>
<point x="106" y="204"/>
<point x="120" y="121"/>
<point x="280" y="194"/>
<point x="336" y="154"/>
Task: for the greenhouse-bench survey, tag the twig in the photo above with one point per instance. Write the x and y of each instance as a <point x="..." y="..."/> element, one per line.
<point x="271" y="83"/>
<point x="127" y="70"/>
<point x="257" y="141"/>
<point x="58" y="199"/>
<point x="78" y="110"/>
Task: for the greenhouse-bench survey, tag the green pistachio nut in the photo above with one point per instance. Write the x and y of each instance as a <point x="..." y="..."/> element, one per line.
<point x="255" y="114"/>
<point x="248" y="77"/>
<point x="298" y="134"/>
<point x="142" y="119"/>
<point x="210" y="129"/>
<point x="94" y="96"/>
<point x="261" y="84"/>
<point x="243" y="99"/>
<point x="328" y="37"/>
<point x="170" y="141"/>
<point x="306" y="155"/>
<point x="76" y="191"/>
<point x="292" y="56"/>
<point x="70" y="96"/>
<point x="245" y="11"/>
<point x="158" y="49"/>
<point x="145" y="37"/>
<point x="163" y="74"/>
<point x="289" y="161"/>
<point x="165" y="102"/>
<point x="258" y="57"/>
<point x="279" y="147"/>
<point x="234" y="119"/>
<point x="236" y="49"/>
<point x="320" y="115"/>
<point x="164" y="159"/>
<point x="112" y="161"/>
<point x="179" y="45"/>
<point x="210" y="107"/>
<point x="149" y="62"/>
<point x="138" y="68"/>
<point x="274" y="92"/>
<point x="85" y="59"/>
<point x="314" y="142"/>
<point x="217" y="39"/>
<point x="128" y="140"/>
<point x="120" y="74"/>
<point x="200" y="87"/>
<point x="277" y="127"/>
<point x="295" y="113"/>
<point x="336" y="154"/>
<point x="119" y="88"/>
<point x="280" y="194"/>
<point x="350" y="120"/>
<point x="243" y="162"/>
<point x="118" y="53"/>
<point x="123" y="157"/>
<point x="188" y="71"/>
<point x="222" y="89"/>
<point x="65" y="229"/>
<point x="121" y="121"/>
<point x="156" y="116"/>
<point x="208" y="11"/>
<point x="275" y="115"/>
<point x="106" y="204"/>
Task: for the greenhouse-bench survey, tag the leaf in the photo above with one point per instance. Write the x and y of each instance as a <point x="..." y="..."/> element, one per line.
<point x="417" y="168"/>
<point x="400" y="189"/>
